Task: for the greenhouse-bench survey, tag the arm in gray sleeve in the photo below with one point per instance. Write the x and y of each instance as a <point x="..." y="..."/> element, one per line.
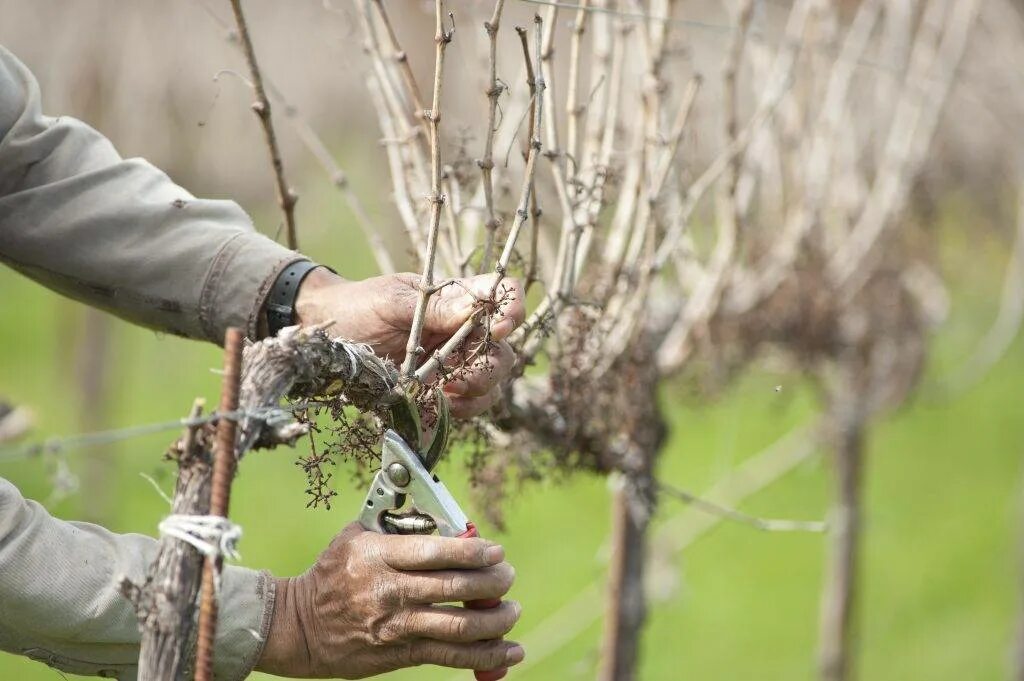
<point x="118" y="234"/>
<point x="60" y="602"/>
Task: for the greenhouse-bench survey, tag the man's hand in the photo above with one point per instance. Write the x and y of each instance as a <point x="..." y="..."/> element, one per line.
<point x="370" y="605"/>
<point x="379" y="312"/>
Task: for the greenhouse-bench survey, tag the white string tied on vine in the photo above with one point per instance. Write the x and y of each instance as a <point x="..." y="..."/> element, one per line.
<point x="212" y="535"/>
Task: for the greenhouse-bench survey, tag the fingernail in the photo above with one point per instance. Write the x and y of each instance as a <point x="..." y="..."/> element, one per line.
<point x="518" y="608"/>
<point x="515" y="655"/>
<point x="494" y="554"/>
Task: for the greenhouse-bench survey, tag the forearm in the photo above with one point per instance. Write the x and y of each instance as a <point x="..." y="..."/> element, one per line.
<point x="118" y="234"/>
<point x="60" y="601"/>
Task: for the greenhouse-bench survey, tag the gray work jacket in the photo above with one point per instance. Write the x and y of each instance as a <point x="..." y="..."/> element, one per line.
<point x="117" y="234"/>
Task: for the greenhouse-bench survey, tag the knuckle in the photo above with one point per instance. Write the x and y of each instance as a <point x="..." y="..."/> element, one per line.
<point x="377" y="631"/>
<point x="402" y="293"/>
<point x="449" y="657"/>
<point x="396" y="629"/>
<point x="474" y="550"/>
<point x="458" y="628"/>
<point x="451" y="584"/>
<point x="489" y="654"/>
<point x="390" y="592"/>
<point x="423" y="550"/>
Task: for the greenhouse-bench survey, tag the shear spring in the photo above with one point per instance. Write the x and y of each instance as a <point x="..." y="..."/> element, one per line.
<point x="409" y="523"/>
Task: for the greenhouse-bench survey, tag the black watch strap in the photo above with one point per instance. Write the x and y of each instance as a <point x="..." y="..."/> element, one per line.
<point x="280" y="305"/>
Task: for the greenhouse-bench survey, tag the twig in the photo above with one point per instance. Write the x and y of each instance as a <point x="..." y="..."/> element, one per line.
<point x="522" y="214"/>
<point x="404" y="148"/>
<point x="632" y="15"/>
<point x="602" y="109"/>
<point x="286" y="197"/>
<point x="316" y="146"/>
<point x="728" y="208"/>
<point x="413" y="349"/>
<point x="401" y="58"/>
<point x="396" y="165"/>
<point x="486" y="162"/>
<point x="573" y="109"/>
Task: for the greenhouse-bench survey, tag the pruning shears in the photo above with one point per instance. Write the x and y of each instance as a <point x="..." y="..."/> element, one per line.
<point x="405" y="497"/>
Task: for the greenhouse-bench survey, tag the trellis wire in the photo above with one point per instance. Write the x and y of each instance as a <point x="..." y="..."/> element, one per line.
<point x="102" y="437"/>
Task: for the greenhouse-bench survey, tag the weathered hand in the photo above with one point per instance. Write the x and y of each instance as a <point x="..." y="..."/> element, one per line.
<point x="370" y="605"/>
<point x="379" y="312"/>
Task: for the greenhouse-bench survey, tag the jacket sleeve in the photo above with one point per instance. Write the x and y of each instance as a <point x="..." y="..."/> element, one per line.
<point x="117" y="233"/>
<point x="60" y="603"/>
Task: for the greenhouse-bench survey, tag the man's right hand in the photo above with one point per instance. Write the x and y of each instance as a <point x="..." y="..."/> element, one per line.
<point x="372" y="604"/>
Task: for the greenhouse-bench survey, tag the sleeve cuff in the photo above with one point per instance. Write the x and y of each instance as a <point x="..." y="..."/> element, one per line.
<point x="247" y="599"/>
<point x="238" y="281"/>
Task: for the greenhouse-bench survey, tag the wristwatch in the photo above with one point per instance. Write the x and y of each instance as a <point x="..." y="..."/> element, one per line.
<point x="280" y="304"/>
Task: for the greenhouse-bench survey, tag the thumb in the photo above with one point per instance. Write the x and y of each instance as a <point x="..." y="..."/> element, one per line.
<point x="454" y="304"/>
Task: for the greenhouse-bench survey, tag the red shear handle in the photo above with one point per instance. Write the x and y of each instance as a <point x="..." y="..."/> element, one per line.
<point x="483" y="604"/>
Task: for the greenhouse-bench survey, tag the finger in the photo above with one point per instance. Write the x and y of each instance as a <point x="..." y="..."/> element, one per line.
<point x="484" y="372"/>
<point x="419" y="552"/>
<point x="449" y="586"/>
<point x="468" y="407"/>
<point x="460" y="625"/>
<point x="483" y="655"/>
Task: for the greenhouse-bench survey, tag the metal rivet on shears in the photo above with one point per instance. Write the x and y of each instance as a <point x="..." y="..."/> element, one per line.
<point x="399" y="474"/>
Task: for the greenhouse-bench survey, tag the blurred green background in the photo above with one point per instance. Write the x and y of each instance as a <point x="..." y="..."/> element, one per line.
<point x="943" y="478"/>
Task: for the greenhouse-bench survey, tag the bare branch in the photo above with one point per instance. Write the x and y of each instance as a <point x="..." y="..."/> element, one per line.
<point x="413" y="349"/>
<point x="316" y="146"/>
<point x="573" y="109"/>
<point x="522" y="214"/>
<point x="486" y="162"/>
<point x="286" y="197"/>
<point x="401" y="59"/>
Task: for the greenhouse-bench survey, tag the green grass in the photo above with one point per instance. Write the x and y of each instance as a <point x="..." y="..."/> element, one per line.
<point x="942" y="487"/>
